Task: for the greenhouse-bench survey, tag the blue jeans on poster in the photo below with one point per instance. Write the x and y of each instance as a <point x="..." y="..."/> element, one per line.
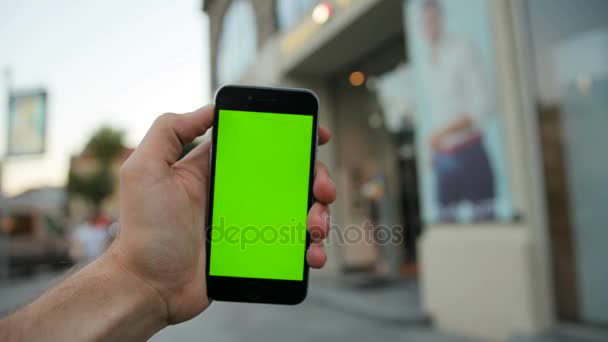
<point x="465" y="174"/>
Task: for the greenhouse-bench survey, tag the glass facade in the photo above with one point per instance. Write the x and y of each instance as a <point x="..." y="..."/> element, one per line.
<point x="570" y="57"/>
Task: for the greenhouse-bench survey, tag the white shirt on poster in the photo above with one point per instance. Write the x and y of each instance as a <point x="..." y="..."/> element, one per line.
<point x="454" y="82"/>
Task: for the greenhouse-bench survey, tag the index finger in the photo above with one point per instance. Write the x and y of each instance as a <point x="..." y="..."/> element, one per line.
<point x="169" y="133"/>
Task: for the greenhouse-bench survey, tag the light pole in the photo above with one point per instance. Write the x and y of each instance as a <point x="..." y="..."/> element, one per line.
<point x="4" y="238"/>
<point x="8" y="80"/>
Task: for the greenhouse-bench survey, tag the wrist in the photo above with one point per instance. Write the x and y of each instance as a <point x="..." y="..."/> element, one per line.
<point x="142" y="297"/>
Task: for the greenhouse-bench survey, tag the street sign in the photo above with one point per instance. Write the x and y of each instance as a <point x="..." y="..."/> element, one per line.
<point x="27" y="121"/>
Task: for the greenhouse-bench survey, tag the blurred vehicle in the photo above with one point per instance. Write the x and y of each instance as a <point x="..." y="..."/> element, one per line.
<point x="33" y="233"/>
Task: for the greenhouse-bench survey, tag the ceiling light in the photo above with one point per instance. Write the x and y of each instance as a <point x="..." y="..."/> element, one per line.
<point x="321" y="13"/>
<point x="356" y="78"/>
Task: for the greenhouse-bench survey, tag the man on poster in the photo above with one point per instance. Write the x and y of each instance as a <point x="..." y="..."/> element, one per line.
<point x="454" y="82"/>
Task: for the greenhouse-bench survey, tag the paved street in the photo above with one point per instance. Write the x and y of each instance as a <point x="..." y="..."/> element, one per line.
<point x="309" y="321"/>
<point x="324" y="316"/>
<point x="23" y="290"/>
<point x="335" y="310"/>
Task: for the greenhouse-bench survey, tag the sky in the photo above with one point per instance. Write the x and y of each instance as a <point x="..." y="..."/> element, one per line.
<point x="113" y="62"/>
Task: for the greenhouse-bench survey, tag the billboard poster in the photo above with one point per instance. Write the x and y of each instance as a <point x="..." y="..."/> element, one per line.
<point x="459" y="126"/>
<point x="27" y="115"/>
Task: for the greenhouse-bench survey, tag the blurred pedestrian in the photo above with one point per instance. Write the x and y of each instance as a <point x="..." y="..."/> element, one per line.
<point x="88" y="239"/>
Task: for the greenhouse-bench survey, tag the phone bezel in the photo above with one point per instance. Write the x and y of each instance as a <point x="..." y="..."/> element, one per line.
<point x="274" y="100"/>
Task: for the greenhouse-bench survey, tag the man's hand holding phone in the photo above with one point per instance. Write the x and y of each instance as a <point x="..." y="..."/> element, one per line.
<point x="163" y="202"/>
<point x="154" y="274"/>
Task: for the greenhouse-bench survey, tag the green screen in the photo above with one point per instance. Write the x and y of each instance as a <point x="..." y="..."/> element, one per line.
<point x="260" y="197"/>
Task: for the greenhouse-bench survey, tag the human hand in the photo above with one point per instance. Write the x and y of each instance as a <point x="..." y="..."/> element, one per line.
<point x="163" y="205"/>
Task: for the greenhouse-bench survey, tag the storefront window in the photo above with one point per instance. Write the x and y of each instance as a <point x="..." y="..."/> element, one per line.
<point x="570" y="49"/>
<point x="289" y="12"/>
<point x="459" y="121"/>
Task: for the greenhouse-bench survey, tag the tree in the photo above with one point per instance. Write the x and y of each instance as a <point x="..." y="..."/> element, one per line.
<point x="93" y="187"/>
<point x="105" y="146"/>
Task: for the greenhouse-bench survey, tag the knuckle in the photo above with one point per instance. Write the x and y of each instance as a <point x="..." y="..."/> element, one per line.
<point x="165" y="119"/>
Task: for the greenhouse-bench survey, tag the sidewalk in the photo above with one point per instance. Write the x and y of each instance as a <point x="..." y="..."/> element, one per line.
<point x="568" y="332"/>
<point x="337" y="307"/>
<point x="20" y="291"/>
<point x="397" y="302"/>
<point x="391" y="301"/>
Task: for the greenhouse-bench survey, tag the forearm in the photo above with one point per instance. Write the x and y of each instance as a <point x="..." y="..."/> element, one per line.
<point x="102" y="302"/>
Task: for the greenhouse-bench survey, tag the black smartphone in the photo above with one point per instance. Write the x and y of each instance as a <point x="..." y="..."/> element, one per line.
<point x="260" y="191"/>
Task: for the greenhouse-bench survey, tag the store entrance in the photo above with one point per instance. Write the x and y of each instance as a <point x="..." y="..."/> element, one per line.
<point x="376" y="162"/>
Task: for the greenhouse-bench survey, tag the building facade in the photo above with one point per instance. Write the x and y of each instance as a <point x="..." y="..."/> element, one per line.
<point x="518" y="250"/>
